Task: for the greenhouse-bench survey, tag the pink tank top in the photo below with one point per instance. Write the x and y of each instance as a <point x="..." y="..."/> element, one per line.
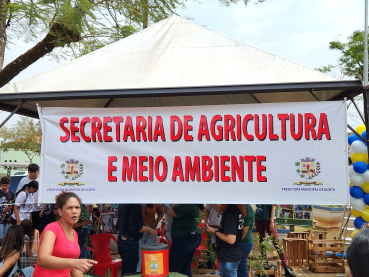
<point x="63" y="248"/>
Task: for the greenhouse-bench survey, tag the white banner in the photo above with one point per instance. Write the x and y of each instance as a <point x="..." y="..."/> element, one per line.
<point x="294" y="153"/>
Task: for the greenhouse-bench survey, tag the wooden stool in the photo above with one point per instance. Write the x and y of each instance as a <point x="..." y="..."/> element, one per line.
<point x="296" y="250"/>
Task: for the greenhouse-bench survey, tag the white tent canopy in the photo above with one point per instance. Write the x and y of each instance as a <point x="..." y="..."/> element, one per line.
<point x="174" y="57"/>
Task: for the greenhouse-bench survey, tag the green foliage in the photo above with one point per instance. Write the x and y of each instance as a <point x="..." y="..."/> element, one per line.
<point x="352" y="56"/>
<point x="94" y="22"/>
<point x="258" y="262"/>
<point x="24" y="136"/>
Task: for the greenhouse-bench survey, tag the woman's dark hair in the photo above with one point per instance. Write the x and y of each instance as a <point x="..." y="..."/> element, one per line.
<point x="63" y="197"/>
<point x="357" y="254"/>
<point x="149" y="206"/>
<point x="32" y="184"/>
<point x="27" y="227"/>
<point x="13" y="241"/>
<point x="200" y="206"/>
<point x="241" y="207"/>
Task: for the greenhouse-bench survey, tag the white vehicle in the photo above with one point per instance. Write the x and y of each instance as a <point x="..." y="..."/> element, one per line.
<point x="20" y="173"/>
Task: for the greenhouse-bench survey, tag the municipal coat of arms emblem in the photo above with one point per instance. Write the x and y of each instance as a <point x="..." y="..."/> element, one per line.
<point x="71" y="170"/>
<point x="308" y="168"/>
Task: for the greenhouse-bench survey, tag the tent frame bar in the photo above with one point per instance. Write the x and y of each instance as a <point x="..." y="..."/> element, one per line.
<point x="351" y="87"/>
<point x="12" y="113"/>
<point x="358" y="110"/>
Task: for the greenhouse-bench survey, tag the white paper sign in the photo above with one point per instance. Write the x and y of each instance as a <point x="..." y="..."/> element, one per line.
<point x="294" y="153"/>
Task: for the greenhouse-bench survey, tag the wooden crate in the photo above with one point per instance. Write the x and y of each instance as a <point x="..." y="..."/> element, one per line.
<point x="321" y="261"/>
<point x="298" y="235"/>
<point x="296" y="251"/>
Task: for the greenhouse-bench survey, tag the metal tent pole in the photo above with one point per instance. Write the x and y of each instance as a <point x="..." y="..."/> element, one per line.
<point x="365" y="77"/>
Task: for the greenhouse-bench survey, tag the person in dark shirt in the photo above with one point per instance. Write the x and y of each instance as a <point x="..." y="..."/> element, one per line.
<point x="229" y="237"/>
<point x="130" y="226"/>
<point x="7" y="196"/>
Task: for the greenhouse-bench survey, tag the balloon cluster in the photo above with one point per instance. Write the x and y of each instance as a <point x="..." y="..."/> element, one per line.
<point x="359" y="179"/>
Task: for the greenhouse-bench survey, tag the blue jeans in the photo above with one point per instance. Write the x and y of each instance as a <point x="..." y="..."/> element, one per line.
<point x="242" y="267"/>
<point x="181" y="253"/>
<point x="228" y="269"/>
<point x="3" y="229"/>
<point x="146" y="239"/>
<point x="128" y="251"/>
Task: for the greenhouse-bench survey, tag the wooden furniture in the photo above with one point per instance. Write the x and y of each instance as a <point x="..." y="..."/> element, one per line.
<point x="326" y="255"/>
<point x="296" y="251"/>
<point x="298" y="235"/>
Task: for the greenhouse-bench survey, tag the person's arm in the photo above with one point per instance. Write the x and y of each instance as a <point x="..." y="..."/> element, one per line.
<point x="76" y="273"/>
<point x="207" y="213"/>
<point x="16" y="214"/>
<point x="149" y="230"/>
<point x="171" y="211"/>
<point x="244" y="231"/>
<point x="272" y="214"/>
<point x="160" y="213"/>
<point x="9" y="262"/>
<point x="83" y="223"/>
<point x="228" y="238"/>
<point x="89" y="209"/>
<point x="46" y="260"/>
<point x="42" y="210"/>
<point x="217" y="208"/>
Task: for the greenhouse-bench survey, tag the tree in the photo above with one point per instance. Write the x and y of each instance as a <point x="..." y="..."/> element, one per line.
<point x="24" y="136"/>
<point x="74" y="26"/>
<point x="351" y="60"/>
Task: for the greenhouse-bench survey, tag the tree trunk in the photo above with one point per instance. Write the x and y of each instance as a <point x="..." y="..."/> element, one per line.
<point x="2" y="33"/>
<point x="145" y="14"/>
<point x="57" y="37"/>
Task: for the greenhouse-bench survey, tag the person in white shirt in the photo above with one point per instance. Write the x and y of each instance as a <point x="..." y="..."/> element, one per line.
<point x="33" y="174"/>
<point x="23" y="206"/>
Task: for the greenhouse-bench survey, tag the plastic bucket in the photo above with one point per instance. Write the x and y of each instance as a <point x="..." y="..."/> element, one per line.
<point x="155" y="260"/>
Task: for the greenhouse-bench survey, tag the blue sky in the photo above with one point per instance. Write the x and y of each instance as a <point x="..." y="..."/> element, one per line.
<point x="298" y="30"/>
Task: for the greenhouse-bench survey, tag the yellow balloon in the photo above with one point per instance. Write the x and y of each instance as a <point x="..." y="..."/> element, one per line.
<point x="365" y="214"/>
<point x="360" y="129"/>
<point x="354" y="233"/>
<point x="359" y="157"/>
<point x="355" y="213"/>
<point x="365" y="187"/>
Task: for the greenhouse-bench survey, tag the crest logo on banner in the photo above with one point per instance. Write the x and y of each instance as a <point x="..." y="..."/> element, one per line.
<point x="71" y="170"/>
<point x="308" y="168"/>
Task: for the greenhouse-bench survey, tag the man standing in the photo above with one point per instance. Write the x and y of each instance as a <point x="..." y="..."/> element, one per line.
<point x="33" y="173"/>
<point x="82" y="231"/>
<point x="130" y="226"/>
<point x="264" y="221"/>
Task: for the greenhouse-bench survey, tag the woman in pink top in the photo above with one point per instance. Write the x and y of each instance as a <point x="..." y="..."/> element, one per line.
<point x="59" y="249"/>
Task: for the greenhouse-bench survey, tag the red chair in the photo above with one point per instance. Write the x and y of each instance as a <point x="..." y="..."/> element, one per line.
<point x="101" y="249"/>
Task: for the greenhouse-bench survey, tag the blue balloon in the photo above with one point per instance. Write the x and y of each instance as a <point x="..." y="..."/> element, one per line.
<point x="363" y="134"/>
<point x="357" y="192"/>
<point x="360" y="167"/>
<point x="366" y="199"/>
<point x="353" y="137"/>
<point x="359" y="222"/>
